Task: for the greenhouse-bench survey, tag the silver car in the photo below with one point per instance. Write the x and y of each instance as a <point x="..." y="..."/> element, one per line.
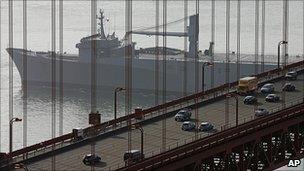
<point x="261" y="112"/>
<point x="292" y="75"/>
<point x="183" y="115"/>
<point x="267" y="88"/>
<point x="186" y="112"/>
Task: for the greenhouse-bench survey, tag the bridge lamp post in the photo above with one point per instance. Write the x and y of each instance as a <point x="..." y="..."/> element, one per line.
<point x="117" y="89"/>
<point x="139" y="127"/>
<point x="279" y="51"/>
<point x="203" y="73"/>
<point x="11" y="132"/>
<point x="236" y="107"/>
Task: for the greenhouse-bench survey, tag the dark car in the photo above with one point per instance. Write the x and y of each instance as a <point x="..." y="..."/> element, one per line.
<point x="272" y="98"/>
<point x="289" y="87"/>
<point x="91" y="159"/>
<point x="292" y="75"/>
<point x="133" y="156"/>
<point x="188" y="126"/>
<point x="250" y="100"/>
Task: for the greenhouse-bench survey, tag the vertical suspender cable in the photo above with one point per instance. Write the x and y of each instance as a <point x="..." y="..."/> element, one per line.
<point x="93" y="67"/>
<point x="212" y="40"/>
<point x="128" y="66"/>
<point x="93" y="56"/>
<point x="164" y="74"/>
<point x="227" y="59"/>
<point x="156" y="68"/>
<point x="53" y="66"/>
<point x="61" y="67"/>
<point x="11" y="44"/>
<point x="263" y="37"/>
<point x="0" y="71"/>
<point x="185" y="48"/>
<point x="285" y="38"/>
<point x="24" y="81"/>
<point x="256" y="34"/>
<point x="238" y="40"/>
<point x="285" y="30"/>
<point x="53" y="75"/>
<point x="303" y="53"/>
<point x="196" y="65"/>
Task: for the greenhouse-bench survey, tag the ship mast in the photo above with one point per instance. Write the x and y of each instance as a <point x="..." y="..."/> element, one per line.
<point x="101" y="29"/>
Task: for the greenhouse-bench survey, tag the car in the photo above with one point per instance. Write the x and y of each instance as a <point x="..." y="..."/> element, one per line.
<point x="185" y="111"/>
<point x="261" y="112"/>
<point x="133" y="156"/>
<point x="250" y="100"/>
<point x="288" y="87"/>
<point x="272" y="98"/>
<point x="292" y="75"/>
<point x="91" y="159"/>
<point x="205" y="126"/>
<point x="183" y="115"/>
<point x="267" y="88"/>
<point x="188" y="126"/>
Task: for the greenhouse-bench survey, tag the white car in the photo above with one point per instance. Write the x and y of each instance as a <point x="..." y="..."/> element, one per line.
<point x="188" y="126"/>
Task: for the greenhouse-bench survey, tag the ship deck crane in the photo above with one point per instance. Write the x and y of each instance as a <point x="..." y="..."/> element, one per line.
<point x="192" y="33"/>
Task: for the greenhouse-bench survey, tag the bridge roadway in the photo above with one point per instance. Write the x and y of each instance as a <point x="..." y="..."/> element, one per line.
<point x="111" y="149"/>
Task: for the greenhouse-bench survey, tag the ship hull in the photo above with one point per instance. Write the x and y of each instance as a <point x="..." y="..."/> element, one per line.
<point x="110" y="73"/>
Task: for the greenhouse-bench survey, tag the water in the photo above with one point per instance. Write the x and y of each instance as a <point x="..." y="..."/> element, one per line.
<point x="77" y="25"/>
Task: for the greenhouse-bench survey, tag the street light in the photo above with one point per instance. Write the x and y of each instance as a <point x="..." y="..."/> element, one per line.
<point x="11" y="132"/>
<point x="203" y="73"/>
<point x="279" y="51"/>
<point x="117" y="89"/>
<point x="139" y="127"/>
<point x="236" y="107"/>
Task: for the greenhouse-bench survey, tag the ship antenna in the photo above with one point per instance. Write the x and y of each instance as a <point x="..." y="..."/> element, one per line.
<point x="101" y="29"/>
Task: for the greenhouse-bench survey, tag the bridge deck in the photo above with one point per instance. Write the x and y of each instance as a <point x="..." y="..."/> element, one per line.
<point x="112" y="148"/>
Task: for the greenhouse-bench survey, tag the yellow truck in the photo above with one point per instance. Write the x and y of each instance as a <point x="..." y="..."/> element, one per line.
<point x="247" y="85"/>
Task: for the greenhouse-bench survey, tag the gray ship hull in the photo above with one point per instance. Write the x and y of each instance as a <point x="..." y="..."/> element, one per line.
<point x="111" y="72"/>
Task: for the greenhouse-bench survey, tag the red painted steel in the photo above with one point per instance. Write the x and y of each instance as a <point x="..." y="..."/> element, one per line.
<point x="110" y="123"/>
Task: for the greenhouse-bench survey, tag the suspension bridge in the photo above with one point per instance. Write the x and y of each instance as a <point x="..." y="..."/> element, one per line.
<point x="239" y="140"/>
